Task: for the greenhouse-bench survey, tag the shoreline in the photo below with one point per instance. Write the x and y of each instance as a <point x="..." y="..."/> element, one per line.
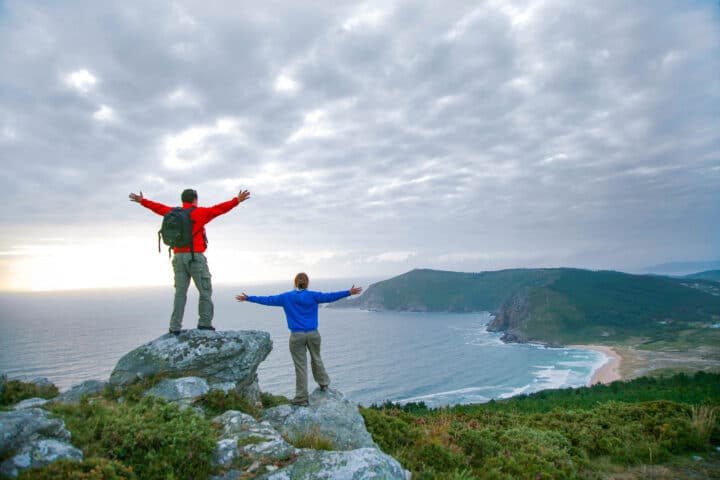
<point x="609" y="371"/>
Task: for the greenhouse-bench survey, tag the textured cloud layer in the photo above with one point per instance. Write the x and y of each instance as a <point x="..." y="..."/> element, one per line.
<point x="374" y="136"/>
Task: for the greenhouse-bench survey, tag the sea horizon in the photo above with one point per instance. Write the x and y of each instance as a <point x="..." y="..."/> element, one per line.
<point x="445" y="358"/>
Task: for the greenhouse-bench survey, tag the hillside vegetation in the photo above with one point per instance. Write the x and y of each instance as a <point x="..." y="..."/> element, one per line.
<point x="646" y="428"/>
<point x="712" y="275"/>
<point x="557" y="306"/>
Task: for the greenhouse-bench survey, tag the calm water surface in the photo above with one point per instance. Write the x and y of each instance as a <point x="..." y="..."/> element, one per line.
<point x="438" y="358"/>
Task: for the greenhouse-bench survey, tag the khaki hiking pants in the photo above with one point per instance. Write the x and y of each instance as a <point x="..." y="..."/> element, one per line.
<point x="198" y="271"/>
<point x="300" y="342"/>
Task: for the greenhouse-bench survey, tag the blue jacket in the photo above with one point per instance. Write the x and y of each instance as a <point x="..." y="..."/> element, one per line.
<point x="301" y="306"/>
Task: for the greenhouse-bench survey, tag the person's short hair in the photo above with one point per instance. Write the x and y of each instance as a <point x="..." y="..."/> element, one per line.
<point x="302" y="281"/>
<point x="188" y="195"/>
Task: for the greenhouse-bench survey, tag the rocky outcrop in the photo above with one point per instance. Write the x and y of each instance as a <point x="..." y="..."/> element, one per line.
<point x="360" y="464"/>
<point x="510" y="316"/>
<point x="29" y="438"/>
<point x="329" y="415"/>
<point x="261" y="443"/>
<point x="88" y="387"/>
<point x="30" y="403"/>
<point x="182" y="390"/>
<point x="243" y="436"/>
<point x="218" y="357"/>
<point x="246" y="446"/>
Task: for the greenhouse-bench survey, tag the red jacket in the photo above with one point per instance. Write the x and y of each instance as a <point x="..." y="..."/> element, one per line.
<point x="200" y="216"/>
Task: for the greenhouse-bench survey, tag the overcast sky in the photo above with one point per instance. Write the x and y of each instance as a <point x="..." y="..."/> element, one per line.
<point x="374" y="137"/>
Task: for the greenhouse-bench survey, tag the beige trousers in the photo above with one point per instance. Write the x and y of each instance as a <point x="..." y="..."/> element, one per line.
<point x="300" y="343"/>
<point x="185" y="269"/>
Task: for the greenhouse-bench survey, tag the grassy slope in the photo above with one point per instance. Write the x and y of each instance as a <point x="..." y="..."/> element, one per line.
<point x="441" y="291"/>
<point x="583" y="306"/>
<point x="713" y="275"/>
<point x="574" y="433"/>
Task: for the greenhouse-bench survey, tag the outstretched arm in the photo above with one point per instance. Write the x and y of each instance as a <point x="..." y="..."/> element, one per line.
<point x="158" y="208"/>
<point x="208" y="213"/>
<point x="334" y="296"/>
<point x="270" y="301"/>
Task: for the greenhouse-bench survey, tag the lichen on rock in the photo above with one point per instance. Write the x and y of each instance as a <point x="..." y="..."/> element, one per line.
<point x="329" y="415"/>
<point x="218" y="357"/>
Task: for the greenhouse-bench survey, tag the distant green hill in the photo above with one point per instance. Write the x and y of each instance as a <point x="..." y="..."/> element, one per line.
<point x="713" y="275"/>
<point x="554" y="306"/>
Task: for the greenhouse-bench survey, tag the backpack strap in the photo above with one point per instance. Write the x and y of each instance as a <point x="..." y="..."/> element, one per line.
<point x="192" y="235"/>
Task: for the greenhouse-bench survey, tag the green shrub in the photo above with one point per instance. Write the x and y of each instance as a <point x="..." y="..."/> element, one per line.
<point x="157" y="439"/>
<point x="530" y="453"/>
<point x="627" y="433"/>
<point x="704" y="421"/>
<point x="312" y="439"/>
<point x="389" y="432"/>
<point x="478" y="445"/>
<point x="564" y="433"/>
<point x="437" y="458"/>
<point x="86" y="421"/>
<point x="217" y="402"/>
<point x="88" y="469"/>
<point x="269" y="400"/>
<point x="135" y="392"/>
<point x="16" y="391"/>
<point x="700" y="388"/>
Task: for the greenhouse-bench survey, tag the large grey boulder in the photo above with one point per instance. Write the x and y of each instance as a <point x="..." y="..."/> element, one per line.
<point x="88" y="387"/>
<point x="329" y="415"/>
<point x="22" y="426"/>
<point x="183" y="390"/>
<point x="30" y="439"/>
<point x="218" y="357"/>
<point x="38" y="453"/>
<point x="243" y="436"/>
<point x="360" y="464"/>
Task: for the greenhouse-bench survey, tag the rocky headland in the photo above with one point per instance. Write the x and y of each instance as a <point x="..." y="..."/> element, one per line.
<point x="180" y="369"/>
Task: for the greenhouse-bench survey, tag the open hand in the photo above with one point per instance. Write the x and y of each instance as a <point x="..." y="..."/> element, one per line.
<point x="355" y="290"/>
<point x="134" y="197"/>
<point x="241" y="298"/>
<point x="243" y="195"/>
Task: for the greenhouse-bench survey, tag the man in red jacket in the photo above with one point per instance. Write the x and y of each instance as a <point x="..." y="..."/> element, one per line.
<point x="184" y="266"/>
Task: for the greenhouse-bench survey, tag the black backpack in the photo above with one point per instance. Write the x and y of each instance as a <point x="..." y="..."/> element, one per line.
<point x="176" y="229"/>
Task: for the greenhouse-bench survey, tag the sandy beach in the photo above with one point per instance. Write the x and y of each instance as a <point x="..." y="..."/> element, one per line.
<point x="610" y="371"/>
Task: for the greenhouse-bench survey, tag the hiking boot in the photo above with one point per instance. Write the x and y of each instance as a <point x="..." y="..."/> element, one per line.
<point x="175" y="332"/>
<point x="323" y="388"/>
<point x="299" y="403"/>
<point x="204" y="327"/>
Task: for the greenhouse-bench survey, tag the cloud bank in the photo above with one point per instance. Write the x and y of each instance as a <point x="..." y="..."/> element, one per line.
<point x="374" y="137"/>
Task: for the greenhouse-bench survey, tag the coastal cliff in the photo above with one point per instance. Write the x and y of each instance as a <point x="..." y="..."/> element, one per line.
<point x="556" y="306"/>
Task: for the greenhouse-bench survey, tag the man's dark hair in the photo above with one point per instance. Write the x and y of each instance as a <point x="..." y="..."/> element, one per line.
<point x="188" y="195"/>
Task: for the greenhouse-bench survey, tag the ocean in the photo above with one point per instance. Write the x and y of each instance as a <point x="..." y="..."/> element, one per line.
<point x="438" y="358"/>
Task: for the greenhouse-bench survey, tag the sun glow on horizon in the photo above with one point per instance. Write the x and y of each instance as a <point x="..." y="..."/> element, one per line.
<point x="130" y="262"/>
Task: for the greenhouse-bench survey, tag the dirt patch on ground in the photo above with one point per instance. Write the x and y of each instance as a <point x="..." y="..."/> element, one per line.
<point x="693" y="467"/>
<point x="637" y="362"/>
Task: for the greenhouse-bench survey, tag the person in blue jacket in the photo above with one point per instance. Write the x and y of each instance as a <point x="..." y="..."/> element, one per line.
<point x="301" y="312"/>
